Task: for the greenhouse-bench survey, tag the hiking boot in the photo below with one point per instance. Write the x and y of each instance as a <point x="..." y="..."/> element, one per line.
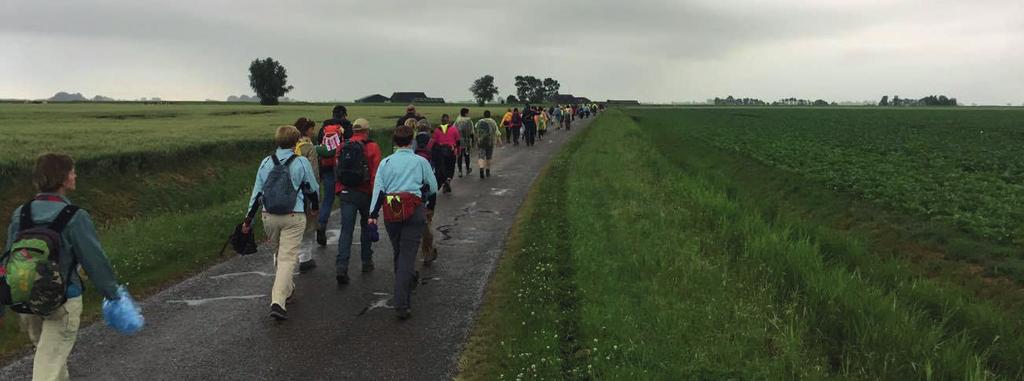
<point x="460" y="174"/>
<point x="368" y="267"/>
<point x="307" y="266"/>
<point x="447" y="187"/>
<point x="342" y="279"/>
<point x="321" y="236"/>
<point x="403" y="313"/>
<point x="278" y="313"/>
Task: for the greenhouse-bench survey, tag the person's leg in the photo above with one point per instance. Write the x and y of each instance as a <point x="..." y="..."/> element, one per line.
<point x="306" y="262"/>
<point x="450" y="165"/>
<point x="290" y="229"/>
<point x="54" y="336"/>
<point x="348" y="223"/>
<point x="405" y="261"/>
<point x="328" y="202"/>
<point x="365" y="244"/>
<point x="427" y="250"/>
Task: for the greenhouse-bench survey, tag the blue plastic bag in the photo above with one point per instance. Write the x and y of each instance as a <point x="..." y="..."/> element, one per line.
<point x="123" y="315"/>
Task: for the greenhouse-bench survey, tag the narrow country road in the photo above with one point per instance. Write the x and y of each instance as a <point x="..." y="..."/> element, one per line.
<point x="215" y="326"/>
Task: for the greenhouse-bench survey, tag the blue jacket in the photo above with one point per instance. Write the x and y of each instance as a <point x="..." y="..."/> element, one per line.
<point x="403" y="171"/>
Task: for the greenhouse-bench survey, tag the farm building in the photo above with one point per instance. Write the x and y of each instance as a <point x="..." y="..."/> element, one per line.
<point x="375" y="98"/>
<point x="564" y="99"/>
<point x="622" y="102"/>
<point x="581" y="100"/>
<point x="428" y="100"/>
<point x="406" y="97"/>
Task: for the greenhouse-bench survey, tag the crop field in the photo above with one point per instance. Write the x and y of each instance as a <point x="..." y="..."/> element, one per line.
<point x="165" y="183"/>
<point x="669" y="263"/>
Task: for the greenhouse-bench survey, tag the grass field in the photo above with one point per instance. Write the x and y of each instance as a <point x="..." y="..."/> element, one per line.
<point x="646" y="254"/>
<point x="166" y="183"/>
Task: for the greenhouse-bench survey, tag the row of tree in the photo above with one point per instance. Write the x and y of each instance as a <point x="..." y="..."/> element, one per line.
<point x="731" y="101"/>
<point x="528" y="89"/>
<point x="930" y="100"/>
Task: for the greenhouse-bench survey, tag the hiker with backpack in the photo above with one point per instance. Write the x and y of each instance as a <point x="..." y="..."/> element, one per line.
<point x="307" y="149"/>
<point x="410" y="113"/>
<point x="506" y="124"/>
<point x="488" y="135"/>
<point x="65" y="239"/>
<point x="335" y="131"/>
<point x="516" y="126"/>
<point x="357" y="165"/>
<point x="404" y="181"/>
<point x="466" y="142"/>
<point x="283" y="183"/>
<point x="446" y="143"/>
<point x="529" y="125"/>
<point x="424" y="144"/>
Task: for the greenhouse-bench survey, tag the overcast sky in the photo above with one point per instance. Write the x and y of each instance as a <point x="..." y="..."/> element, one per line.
<point x="655" y="51"/>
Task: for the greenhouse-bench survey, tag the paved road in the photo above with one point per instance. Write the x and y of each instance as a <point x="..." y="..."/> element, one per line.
<point x="215" y="326"/>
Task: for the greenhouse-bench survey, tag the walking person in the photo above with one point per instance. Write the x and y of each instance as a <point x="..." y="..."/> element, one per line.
<point x="446" y="143"/>
<point x="506" y="124"/>
<point x="283" y="182"/>
<point x="488" y="135"/>
<point x="307" y="149"/>
<point x="52" y="320"/>
<point x="404" y="180"/>
<point x="358" y="160"/>
<point x="516" y="126"/>
<point x="335" y="131"/>
<point x="423" y="145"/>
<point x="529" y="125"/>
<point x="542" y="124"/>
<point x="410" y="113"/>
<point x="466" y="140"/>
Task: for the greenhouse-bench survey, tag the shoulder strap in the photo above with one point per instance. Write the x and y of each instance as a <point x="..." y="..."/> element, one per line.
<point x="25" y="221"/>
<point x="274" y="158"/>
<point x="290" y="159"/>
<point x="63" y="218"/>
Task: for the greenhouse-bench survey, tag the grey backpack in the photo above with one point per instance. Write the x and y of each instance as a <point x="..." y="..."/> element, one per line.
<point x="279" y="194"/>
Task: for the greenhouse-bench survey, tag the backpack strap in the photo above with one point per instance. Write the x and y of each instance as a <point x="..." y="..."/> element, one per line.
<point x="63" y="218"/>
<point x="287" y="162"/>
<point x="25" y="221"/>
<point x="274" y="158"/>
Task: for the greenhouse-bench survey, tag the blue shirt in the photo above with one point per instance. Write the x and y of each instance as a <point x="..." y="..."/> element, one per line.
<point x="301" y="171"/>
<point x="403" y="171"/>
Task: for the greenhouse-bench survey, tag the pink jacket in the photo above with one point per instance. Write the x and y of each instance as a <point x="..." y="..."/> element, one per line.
<point x="446" y="135"/>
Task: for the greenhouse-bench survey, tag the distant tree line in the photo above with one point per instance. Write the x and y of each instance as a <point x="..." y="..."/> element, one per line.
<point x="731" y="101"/>
<point x="930" y="100"/>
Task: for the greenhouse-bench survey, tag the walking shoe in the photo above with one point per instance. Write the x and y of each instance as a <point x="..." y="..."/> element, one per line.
<point x="447" y="187"/>
<point x="278" y="313"/>
<point x="430" y="257"/>
<point x="342" y="279"/>
<point x="403" y="313"/>
<point x="460" y="174"/>
<point x="321" y="236"/>
<point x="368" y="267"/>
<point x="307" y="266"/>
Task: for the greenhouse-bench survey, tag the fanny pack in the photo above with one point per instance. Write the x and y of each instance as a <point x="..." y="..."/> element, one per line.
<point x="399" y="207"/>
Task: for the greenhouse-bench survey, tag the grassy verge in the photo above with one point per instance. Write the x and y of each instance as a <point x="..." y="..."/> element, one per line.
<point x="625" y="265"/>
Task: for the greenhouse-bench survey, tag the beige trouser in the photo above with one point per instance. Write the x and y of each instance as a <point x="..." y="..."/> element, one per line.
<point x="308" y="238"/>
<point x="53" y="337"/>
<point x="285" y="233"/>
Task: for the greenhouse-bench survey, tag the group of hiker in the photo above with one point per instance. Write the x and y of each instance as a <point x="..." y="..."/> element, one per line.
<point x="50" y="239"/>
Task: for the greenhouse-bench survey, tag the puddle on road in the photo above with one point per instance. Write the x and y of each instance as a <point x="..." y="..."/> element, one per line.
<point x="499" y="191"/>
<point x="234" y="275"/>
<point x="199" y="302"/>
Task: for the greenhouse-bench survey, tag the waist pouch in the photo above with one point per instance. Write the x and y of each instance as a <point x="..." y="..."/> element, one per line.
<point x="399" y="207"/>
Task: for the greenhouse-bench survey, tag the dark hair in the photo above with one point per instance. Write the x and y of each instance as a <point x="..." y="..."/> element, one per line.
<point x="51" y="170"/>
<point x="403" y="136"/>
<point x="303" y="125"/>
<point x="487" y="113"/>
<point x="515" y="109"/>
<point x="464" y="111"/>
<point x="339" y="111"/>
<point x="445" y="116"/>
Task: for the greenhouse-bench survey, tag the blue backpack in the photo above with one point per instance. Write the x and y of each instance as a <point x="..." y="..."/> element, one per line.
<point x="279" y="194"/>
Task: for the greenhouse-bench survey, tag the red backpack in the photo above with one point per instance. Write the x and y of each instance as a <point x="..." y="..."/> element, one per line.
<point x="332" y="140"/>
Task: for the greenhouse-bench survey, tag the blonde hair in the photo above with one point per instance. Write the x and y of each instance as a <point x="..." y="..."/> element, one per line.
<point x="411" y="122"/>
<point x="287" y="136"/>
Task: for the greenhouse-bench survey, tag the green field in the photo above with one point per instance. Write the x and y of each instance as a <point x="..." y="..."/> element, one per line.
<point x="658" y="248"/>
<point x="166" y="183"/>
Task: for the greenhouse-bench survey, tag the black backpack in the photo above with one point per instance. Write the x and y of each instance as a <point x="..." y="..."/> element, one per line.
<point x="353" y="169"/>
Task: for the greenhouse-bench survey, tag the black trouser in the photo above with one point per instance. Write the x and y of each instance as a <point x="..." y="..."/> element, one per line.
<point x="508" y="134"/>
<point x="405" y="241"/>
<point x="515" y="134"/>
<point x="530" y="134"/>
<point x="444" y="163"/>
<point x="464" y="157"/>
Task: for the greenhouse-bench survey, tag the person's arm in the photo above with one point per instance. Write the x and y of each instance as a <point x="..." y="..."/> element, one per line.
<point x="257" y="187"/>
<point x="428" y="177"/>
<point x="378" y="190"/>
<point x="89" y="253"/>
<point x="314" y="186"/>
<point x="458" y="137"/>
<point x="373" y="150"/>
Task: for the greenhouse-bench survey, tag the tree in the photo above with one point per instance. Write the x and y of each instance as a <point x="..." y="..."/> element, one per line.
<point x="529" y="89"/>
<point x="896" y="100"/>
<point x="550" y="87"/>
<point x="511" y="99"/>
<point x="483" y="89"/>
<point x="884" y="102"/>
<point x="269" y="79"/>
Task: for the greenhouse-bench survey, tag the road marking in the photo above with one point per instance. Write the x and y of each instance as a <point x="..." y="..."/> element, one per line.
<point x="499" y="191"/>
<point x="233" y="275"/>
<point x="199" y="302"/>
<point x="382" y="303"/>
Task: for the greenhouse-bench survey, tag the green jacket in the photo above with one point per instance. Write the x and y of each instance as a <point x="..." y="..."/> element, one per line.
<point x="80" y="247"/>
